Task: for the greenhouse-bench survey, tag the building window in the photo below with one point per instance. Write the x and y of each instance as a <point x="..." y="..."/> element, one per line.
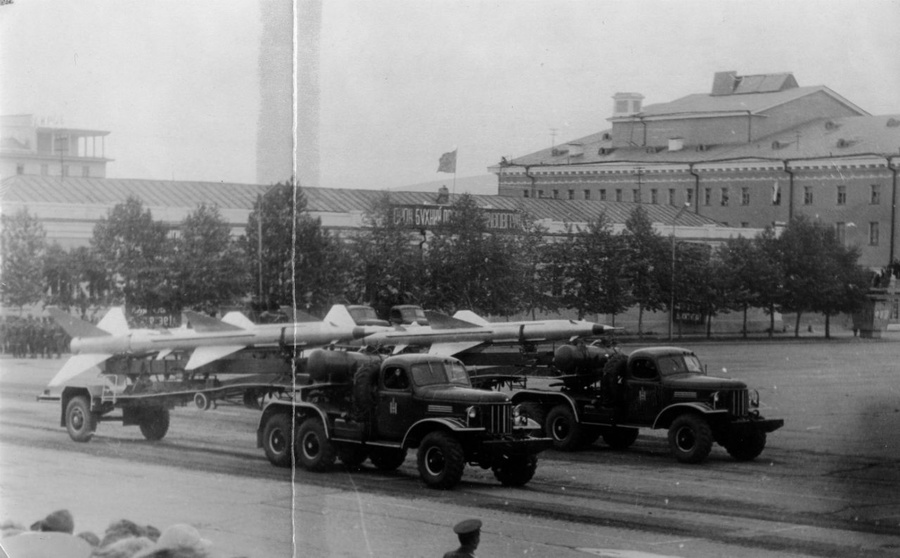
<point x="807" y="195"/>
<point x="689" y="196"/>
<point x="44" y="170"/>
<point x="618" y="194"/>
<point x="707" y="196"/>
<point x="842" y="195"/>
<point x="745" y="195"/>
<point x="525" y="192"/>
<point x="20" y="169"/>
<point x="603" y="194"/>
<point x="840" y="232"/>
<point x="671" y="196"/>
<point x="636" y="195"/>
<point x="724" y="196"/>
<point x="873" y="233"/>
<point x="540" y="193"/>
<point x="745" y="225"/>
<point x="571" y="194"/>
<point x="555" y="194"/>
<point x="587" y="194"/>
<point x="654" y="196"/>
<point x="86" y="171"/>
<point x="876" y="194"/>
<point x="776" y="194"/>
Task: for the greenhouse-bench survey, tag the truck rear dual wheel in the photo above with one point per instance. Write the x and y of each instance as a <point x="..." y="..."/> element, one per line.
<point x="515" y="470"/>
<point x="441" y="460"/>
<point x="315" y="452"/>
<point x="690" y="438"/>
<point x="154" y="423"/>
<point x="80" y="421"/>
<point x="278" y="439"/>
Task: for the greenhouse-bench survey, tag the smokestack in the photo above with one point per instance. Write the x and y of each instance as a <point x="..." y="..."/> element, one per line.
<point x="626" y="104"/>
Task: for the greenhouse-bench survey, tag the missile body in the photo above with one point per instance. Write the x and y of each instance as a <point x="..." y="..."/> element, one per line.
<point x="208" y="339"/>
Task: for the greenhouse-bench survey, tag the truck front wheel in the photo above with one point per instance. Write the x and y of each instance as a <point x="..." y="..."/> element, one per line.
<point x="563" y="427"/>
<point x="746" y="444"/>
<point x="515" y="470"/>
<point x="80" y="421"/>
<point x="154" y="423"/>
<point x="441" y="460"/>
<point x="278" y="439"/>
<point x="690" y="438"/>
<point x="387" y="459"/>
<point x="314" y="451"/>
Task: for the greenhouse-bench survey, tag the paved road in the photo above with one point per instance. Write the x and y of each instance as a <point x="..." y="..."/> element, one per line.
<point x="825" y="486"/>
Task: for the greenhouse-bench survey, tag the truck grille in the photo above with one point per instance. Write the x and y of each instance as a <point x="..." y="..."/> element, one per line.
<point x="738" y="402"/>
<point x="498" y="419"/>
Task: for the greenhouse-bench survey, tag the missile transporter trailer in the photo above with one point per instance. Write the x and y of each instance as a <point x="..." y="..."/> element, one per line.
<point x="608" y="394"/>
<point x="360" y="406"/>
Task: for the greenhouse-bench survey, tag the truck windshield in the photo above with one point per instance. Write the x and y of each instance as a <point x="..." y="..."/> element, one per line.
<point x="679" y="364"/>
<point x="433" y="373"/>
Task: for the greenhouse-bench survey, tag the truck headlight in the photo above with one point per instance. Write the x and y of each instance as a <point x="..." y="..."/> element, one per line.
<point x="754" y="398"/>
<point x="472" y="415"/>
<point x="715" y="400"/>
<point x="520" y="418"/>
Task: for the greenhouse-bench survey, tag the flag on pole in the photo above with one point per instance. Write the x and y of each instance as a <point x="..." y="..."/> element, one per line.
<point x="776" y="193"/>
<point x="447" y="162"/>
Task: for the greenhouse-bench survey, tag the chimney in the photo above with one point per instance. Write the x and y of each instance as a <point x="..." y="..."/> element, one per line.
<point x="724" y="83"/>
<point x="626" y="104"/>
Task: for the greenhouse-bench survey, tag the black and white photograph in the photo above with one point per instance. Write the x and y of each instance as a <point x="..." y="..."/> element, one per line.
<point x="496" y="278"/>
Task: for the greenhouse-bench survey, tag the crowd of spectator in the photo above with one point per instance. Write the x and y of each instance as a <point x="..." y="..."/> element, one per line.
<point x="55" y="535"/>
<point x="32" y="337"/>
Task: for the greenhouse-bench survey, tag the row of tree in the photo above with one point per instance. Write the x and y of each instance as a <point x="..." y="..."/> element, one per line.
<point x="286" y="257"/>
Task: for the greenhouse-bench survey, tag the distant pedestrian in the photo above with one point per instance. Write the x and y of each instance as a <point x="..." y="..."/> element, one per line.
<point x="469" y="533"/>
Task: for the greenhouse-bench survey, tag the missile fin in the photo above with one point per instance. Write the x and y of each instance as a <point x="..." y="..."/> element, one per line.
<point x="238" y="319"/>
<point x="469" y="316"/>
<point x="399" y="348"/>
<point x="74" y="326"/>
<point x="207" y="324"/>
<point x="205" y="355"/>
<point x="443" y="321"/>
<point x="76" y="366"/>
<point x="450" y="349"/>
<point x="114" y="321"/>
<point x="340" y="316"/>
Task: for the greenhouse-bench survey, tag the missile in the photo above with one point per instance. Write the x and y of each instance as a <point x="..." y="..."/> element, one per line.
<point x="208" y="338"/>
<point x="465" y="331"/>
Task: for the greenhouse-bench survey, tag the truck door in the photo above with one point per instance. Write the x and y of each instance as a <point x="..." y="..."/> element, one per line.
<point x="394" y="403"/>
<point x="643" y="390"/>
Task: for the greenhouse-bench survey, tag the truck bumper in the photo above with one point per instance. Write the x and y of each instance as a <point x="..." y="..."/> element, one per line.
<point x="759" y="424"/>
<point x="524" y="446"/>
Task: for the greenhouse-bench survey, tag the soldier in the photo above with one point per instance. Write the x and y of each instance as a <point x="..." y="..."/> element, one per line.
<point x="469" y="533"/>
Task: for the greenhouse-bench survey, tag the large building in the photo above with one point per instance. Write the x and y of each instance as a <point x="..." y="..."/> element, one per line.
<point x="752" y="152"/>
<point x="45" y="147"/>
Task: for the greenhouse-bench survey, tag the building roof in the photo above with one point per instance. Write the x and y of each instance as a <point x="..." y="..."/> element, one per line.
<point x="30" y="190"/>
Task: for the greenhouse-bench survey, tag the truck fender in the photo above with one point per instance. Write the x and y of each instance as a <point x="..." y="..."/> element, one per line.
<point x="667" y="415"/>
<point x="73" y="391"/>
<point x="300" y="409"/>
<point x="547" y="399"/>
<point x="420" y="428"/>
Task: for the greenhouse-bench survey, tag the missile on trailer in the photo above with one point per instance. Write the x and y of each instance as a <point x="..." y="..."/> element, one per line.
<point x="208" y="339"/>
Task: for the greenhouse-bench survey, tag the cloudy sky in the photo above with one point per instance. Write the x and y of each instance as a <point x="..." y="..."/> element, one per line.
<point x="402" y="81"/>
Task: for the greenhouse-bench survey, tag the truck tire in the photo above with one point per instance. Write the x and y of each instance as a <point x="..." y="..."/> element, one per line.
<point x="746" y="444"/>
<point x="515" y="470"/>
<point x="441" y="460"/>
<point x="154" y="423"/>
<point x="563" y="427"/>
<point x="352" y="455"/>
<point x="619" y="437"/>
<point x="387" y="459"/>
<point x="535" y="411"/>
<point x="80" y="421"/>
<point x="690" y="438"/>
<point x="278" y="439"/>
<point x="315" y="452"/>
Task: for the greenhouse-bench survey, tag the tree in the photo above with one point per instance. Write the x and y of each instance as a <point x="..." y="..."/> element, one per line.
<point x="59" y="279"/>
<point x="23" y="245"/>
<point x="843" y="282"/>
<point x="207" y="265"/>
<point x="739" y="257"/>
<point x="135" y="253"/>
<point x="767" y="281"/>
<point x="645" y="264"/>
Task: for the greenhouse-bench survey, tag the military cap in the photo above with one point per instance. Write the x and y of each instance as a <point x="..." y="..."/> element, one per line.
<point x="467" y="526"/>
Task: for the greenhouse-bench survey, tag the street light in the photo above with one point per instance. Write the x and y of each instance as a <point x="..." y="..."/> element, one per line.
<point x="672" y="289"/>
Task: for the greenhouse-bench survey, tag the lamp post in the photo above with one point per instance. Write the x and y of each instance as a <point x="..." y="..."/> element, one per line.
<point x="672" y="289"/>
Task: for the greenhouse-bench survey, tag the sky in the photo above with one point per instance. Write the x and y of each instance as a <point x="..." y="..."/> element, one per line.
<point x="175" y="82"/>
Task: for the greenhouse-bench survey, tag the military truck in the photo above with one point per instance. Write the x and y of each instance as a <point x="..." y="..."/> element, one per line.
<point x="603" y="392"/>
<point x="360" y="406"/>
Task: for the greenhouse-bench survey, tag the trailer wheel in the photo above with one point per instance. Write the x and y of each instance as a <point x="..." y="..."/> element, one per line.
<point x="690" y="438"/>
<point x="352" y="455"/>
<point x="746" y="444"/>
<point x="619" y="437"/>
<point x="155" y="423"/>
<point x="202" y="401"/>
<point x="387" y="459"/>
<point x="535" y="411"/>
<point x="278" y="439"/>
<point x="441" y="460"/>
<point x="515" y="470"/>
<point x="563" y="427"/>
<point x="314" y="450"/>
<point x="80" y="421"/>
